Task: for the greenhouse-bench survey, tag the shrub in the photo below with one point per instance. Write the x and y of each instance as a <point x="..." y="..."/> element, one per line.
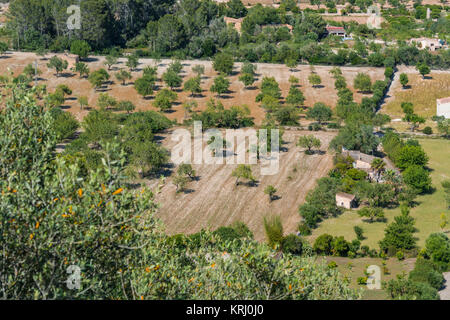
<point x="340" y="247"/>
<point x="65" y="124"/>
<point x="437" y="248"/>
<point x="400" y="255"/>
<point x="274" y="230"/>
<point x="292" y="244"/>
<point x="332" y="265"/>
<point x="359" y="232"/>
<point x="361" y="280"/>
<point x="304" y="229"/>
<point x="323" y="244"/>
<point x="227" y="233"/>
<point x="427" y="272"/>
<point x="427" y="130"/>
<point x="418" y="178"/>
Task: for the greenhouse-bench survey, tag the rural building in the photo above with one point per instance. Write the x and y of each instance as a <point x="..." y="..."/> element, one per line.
<point x="345" y="200"/>
<point x="428" y="43"/>
<point x="336" y="31"/>
<point x="362" y="161"/>
<point x="236" y="23"/>
<point x="443" y="107"/>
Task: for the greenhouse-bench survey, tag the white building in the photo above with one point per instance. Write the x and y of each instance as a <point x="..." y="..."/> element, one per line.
<point x="431" y="44"/>
<point x="443" y="107"/>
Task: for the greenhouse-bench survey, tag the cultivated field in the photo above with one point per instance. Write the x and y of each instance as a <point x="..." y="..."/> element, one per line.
<point x="214" y="200"/>
<point x="238" y="95"/>
<point x="421" y="92"/>
<point x="427" y="212"/>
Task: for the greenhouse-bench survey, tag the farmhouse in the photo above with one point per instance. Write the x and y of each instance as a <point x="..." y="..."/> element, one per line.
<point x="336" y="31"/>
<point x="431" y="44"/>
<point x="443" y="107"/>
<point x="236" y="23"/>
<point x="345" y="200"/>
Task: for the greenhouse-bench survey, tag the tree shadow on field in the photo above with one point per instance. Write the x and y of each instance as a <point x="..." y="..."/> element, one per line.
<point x="90" y="59"/>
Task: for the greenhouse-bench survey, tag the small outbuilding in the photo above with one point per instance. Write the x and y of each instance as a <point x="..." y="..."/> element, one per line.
<point x="443" y="107"/>
<point x="345" y="200"/>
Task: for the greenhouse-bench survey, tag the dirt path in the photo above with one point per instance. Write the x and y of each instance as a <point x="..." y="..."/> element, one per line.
<point x="445" y="293"/>
<point x="215" y="201"/>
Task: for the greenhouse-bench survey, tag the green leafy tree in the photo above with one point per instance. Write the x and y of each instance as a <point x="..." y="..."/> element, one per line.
<point x="409" y="155"/>
<point x="105" y="101"/>
<point x="122" y="76"/>
<point x="243" y="171"/>
<point x="82" y="69"/>
<point x="126" y="105"/>
<point x="315" y="80"/>
<point x="172" y="79"/>
<point x="58" y="64"/>
<point x="404" y="80"/>
<point x="98" y="77"/>
<point x="164" y="99"/>
<point x="192" y="85"/>
<point x="132" y="62"/>
<point x="309" y="142"/>
<point x="418" y="178"/>
<point x="220" y="85"/>
<point x="83" y="102"/>
<point x="362" y="82"/>
<point x="3" y="47"/>
<point x="399" y="235"/>
<point x="373" y="214"/>
<point x="81" y="48"/>
<point x="186" y="170"/>
<point x="247" y="79"/>
<point x="270" y="190"/>
<point x="295" y="97"/>
<point x="110" y="60"/>
<point x="144" y="86"/>
<point x="423" y="69"/>
<point x="320" y="112"/>
<point x="410" y="117"/>
<point x="223" y="63"/>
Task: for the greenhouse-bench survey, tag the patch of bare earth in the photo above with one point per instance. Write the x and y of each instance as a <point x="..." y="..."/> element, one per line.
<point x="238" y="95"/>
<point x="214" y="200"/>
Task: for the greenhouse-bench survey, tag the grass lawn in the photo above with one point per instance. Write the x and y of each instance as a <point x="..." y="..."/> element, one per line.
<point x="422" y="93"/>
<point x="354" y="268"/>
<point x="427" y="212"/>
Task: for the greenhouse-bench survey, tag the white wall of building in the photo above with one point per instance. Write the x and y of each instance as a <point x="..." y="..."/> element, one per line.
<point x="443" y="109"/>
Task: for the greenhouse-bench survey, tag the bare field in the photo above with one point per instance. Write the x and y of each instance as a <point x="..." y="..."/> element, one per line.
<point x="213" y="200"/>
<point x="238" y="95"/>
<point x="421" y="92"/>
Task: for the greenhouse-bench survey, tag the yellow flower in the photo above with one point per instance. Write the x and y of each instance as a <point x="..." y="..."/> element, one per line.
<point x="103" y="187"/>
<point x="37" y="225"/>
<point x="228" y="283"/>
<point x="290" y="287"/>
<point x="118" y="191"/>
<point x="80" y="192"/>
<point x="142" y="297"/>
<point x="213" y="265"/>
<point x="147" y="269"/>
<point x="31" y="236"/>
<point x="157" y="267"/>
<point x="191" y="279"/>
